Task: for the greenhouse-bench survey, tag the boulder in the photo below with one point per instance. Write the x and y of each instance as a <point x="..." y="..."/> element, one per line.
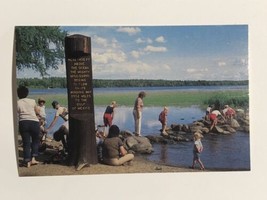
<point x="157" y="139"/>
<point x="139" y="144"/>
<point x="217" y="129"/>
<point x="176" y="127"/>
<point x="205" y="130"/>
<point x="185" y="128"/>
<point x="234" y="123"/>
<point x="195" y="128"/>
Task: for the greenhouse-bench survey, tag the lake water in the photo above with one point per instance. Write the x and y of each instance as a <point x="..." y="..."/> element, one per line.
<point x="221" y="152"/>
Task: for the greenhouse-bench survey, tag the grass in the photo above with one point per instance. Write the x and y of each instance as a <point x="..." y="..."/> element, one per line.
<point x="154" y="98"/>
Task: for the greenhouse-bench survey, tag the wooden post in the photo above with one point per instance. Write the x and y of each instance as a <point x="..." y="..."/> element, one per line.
<point x="82" y="137"/>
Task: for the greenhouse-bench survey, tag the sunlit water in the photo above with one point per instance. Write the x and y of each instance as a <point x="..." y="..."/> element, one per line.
<point x="230" y="152"/>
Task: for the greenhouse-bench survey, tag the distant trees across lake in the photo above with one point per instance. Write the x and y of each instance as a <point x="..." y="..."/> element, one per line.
<point x="61" y="82"/>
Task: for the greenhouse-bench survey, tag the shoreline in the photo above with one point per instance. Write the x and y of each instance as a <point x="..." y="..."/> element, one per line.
<point x="140" y="165"/>
<point x="44" y="168"/>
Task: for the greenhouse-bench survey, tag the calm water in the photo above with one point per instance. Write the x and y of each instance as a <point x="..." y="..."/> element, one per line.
<point x="229" y="152"/>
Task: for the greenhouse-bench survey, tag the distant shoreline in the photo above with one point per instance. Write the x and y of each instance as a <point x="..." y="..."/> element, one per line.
<point x="61" y="82"/>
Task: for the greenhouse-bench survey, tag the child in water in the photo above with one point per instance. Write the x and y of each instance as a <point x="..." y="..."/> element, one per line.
<point x="163" y="120"/>
<point x="198" y="148"/>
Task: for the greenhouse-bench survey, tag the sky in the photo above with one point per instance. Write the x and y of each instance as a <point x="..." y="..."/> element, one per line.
<point x="164" y="52"/>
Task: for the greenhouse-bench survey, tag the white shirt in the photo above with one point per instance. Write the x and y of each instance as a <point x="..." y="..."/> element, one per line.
<point x="42" y="111"/>
<point x="216" y="112"/>
<point x="62" y="112"/>
<point x="26" y="109"/>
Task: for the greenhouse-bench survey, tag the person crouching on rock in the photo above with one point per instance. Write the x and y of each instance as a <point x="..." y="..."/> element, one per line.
<point x="163" y="120"/>
<point x="214" y="118"/>
<point x="198" y="148"/>
<point x="62" y="135"/>
<point x="113" y="151"/>
<point x="229" y="113"/>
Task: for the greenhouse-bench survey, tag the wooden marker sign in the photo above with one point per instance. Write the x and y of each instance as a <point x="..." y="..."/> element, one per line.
<point x="80" y="101"/>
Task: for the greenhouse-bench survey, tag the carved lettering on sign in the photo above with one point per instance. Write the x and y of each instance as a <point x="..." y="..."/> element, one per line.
<point x="80" y="88"/>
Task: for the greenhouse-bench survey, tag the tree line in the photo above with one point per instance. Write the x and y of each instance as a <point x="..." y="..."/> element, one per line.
<point x="61" y="82"/>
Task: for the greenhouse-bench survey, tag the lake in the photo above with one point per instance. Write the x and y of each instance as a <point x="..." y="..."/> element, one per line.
<point x="221" y="152"/>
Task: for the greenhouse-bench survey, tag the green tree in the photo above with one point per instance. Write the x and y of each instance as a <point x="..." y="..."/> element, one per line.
<point x="39" y="47"/>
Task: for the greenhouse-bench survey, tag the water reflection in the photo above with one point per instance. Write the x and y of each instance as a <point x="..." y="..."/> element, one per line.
<point x="163" y="153"/>
<point x="150" y="124"/>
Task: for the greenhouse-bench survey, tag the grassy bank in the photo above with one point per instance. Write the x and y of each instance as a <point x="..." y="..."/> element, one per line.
<point x="153" y="98"/>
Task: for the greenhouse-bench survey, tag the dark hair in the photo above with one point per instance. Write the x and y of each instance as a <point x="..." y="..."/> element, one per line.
<point x="142" y="94"/>
<point x="22" y="92"/>
<point x="114" y="131"/>
<point x="54" y="104"/>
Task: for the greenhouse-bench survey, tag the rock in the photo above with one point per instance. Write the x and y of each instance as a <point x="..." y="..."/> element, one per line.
<point x="197" y="123"/>
<point x="217" y="129"/>
<point x="157" y="139"/>
<point x="240" y="113"/>
<point x="185" y="128"/>
<point x="139" y="144"/>
<point x="226" y="132"/>
<point x="234" y="123"/>
<point x="205" y="130"/>
<point x="176" y="127"/>
<point x="131" y="141"/>
<point x="195" y="128"/>
<point x="126" y="133"/>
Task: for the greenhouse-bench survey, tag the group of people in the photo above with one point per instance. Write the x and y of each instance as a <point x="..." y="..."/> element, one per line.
<point x="213" y="115"/>
<point x="32" y="128"/>
<point x="32" y="121"/>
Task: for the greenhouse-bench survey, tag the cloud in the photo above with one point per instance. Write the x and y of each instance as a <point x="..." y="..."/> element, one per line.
<point x="166" y="67"/>
<point x="221" y="64"/>
<point x="129" y="30"/>
<point x="122" y="70"/>
<point x="150" y="48"/>
<point x="194" y="70"/>
<point x="109" y="56"/>
<point x="140" y="41"/>
<point x="160" y="39"/>
<point x="135" y="54"/>
<point x="100" y="41"/>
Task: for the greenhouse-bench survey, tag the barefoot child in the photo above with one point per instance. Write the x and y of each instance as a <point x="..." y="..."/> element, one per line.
<point x="163" y="120"/>
<point x="198" y="148"/>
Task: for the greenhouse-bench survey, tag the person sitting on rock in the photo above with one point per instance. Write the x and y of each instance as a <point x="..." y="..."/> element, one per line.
<point x="114" y="152"/>
<point x="163" y="120"/>
<point x="229" y="113"/>
<point x="213" y="116"/>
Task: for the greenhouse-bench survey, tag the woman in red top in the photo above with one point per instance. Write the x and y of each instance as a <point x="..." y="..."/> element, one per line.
<point x="109" y="114"/>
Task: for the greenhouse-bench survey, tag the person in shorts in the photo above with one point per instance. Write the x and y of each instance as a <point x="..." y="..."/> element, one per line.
<point x="197" y="149"/>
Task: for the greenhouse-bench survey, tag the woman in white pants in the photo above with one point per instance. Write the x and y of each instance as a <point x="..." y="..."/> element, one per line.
<point x="137" y="112"/>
